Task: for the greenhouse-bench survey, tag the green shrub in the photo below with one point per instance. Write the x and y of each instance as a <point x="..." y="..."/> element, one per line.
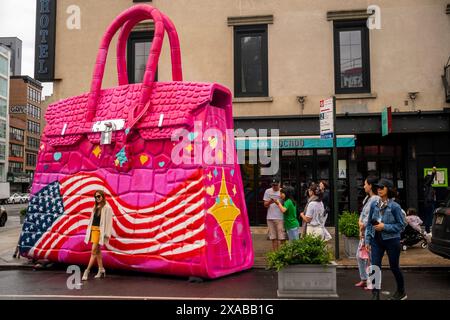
<point x="23" y="211"/>
<point x="348" y="224"/>
<point x="307" y="250"/>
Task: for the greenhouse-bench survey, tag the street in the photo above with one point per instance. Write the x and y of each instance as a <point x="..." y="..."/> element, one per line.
<point x="423" y="284"/>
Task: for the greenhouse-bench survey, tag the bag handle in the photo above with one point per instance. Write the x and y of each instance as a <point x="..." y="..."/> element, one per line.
<point x="152" y="61"/>
<point x="175" y="51"/>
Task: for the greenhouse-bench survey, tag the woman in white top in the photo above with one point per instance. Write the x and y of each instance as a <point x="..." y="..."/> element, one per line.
<point x="98" y="232"/>
<point x="314" y="215"/>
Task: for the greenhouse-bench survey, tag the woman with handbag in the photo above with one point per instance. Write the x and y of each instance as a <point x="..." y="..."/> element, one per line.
<point x="314" y="215"/>
<point x="98" y="233"/>
<point x="362" y="255"/>
<point x="384" y="225"/>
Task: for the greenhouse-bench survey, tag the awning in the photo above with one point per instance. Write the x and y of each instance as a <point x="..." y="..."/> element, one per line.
<point x="294" y="142"/>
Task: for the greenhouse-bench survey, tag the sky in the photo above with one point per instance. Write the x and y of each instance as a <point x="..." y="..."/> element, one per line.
<point x="18" y="19"/>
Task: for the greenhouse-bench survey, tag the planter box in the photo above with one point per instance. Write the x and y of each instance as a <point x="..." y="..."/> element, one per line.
<point x="351" y="246"/>
<point x="307" y="281"/>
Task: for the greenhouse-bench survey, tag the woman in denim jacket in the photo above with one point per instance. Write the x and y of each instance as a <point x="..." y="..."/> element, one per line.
<point x="385" y="223"/>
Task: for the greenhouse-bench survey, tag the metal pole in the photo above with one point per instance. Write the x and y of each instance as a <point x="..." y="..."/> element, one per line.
<point x="335" y="180"/>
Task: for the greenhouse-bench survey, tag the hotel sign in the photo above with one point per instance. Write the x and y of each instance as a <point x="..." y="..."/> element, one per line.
<point x="44" y="64"/>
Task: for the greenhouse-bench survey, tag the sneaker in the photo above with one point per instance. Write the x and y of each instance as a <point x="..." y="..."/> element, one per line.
<point x="376" y="295"/>
<point x="398" y="296"/>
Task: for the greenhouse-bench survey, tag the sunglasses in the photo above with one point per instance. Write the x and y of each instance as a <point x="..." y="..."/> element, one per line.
<point x="98" y="196"/>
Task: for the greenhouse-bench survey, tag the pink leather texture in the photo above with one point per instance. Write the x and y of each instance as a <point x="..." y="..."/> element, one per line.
<point x="181" y="218"/>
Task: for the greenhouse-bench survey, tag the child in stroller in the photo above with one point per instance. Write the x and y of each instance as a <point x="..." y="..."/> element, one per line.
<point x="413" y="233"/>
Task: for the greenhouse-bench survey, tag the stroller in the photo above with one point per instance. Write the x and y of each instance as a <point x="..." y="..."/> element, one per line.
<point x="411" y="236"/>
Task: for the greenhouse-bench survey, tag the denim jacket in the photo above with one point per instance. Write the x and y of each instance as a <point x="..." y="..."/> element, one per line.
<point x="391" y="216"/>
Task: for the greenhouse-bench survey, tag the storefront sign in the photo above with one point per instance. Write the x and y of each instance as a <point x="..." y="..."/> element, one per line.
<point x="18" y="109"/>
<point x="307" y="142"/>
<point x="386" y="121"/>
<point x="441" y="178"/>
<point x="326" y="119"/>
<point x="44" y="66"/>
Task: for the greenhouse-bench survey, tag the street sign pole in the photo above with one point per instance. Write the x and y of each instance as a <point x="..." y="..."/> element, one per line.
<point x="335" y="174"/>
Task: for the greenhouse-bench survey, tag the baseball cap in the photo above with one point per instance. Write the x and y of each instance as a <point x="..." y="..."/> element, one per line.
<point x="385" y="183"/>
<point x="275" y="181"/>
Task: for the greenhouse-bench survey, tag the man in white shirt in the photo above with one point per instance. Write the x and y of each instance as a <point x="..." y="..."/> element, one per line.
<point x="275" y="220"/>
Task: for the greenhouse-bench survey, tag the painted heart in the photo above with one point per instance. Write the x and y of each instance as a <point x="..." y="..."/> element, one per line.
<point x="161" y="164"/>
<point x="192" y="136"/>
<point x="57" y="156"/>
<point x="210" y="190"/>
<point x="143" y="158"/>
<point x="45" y="166"/>
<point x="232" y="172"/>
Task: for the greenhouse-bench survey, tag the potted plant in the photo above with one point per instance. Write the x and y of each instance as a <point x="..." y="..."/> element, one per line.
<point x="349" y="228"/>
<point x="305" y="269"/>
<point x="23" y="213"/>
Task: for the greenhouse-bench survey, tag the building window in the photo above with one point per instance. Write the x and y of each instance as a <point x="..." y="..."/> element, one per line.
<point x="33" y="111"/>
<point x="34" y="127"/>
<point x="33" y="143"/>
<point x="3" y="87"/>
<point x="2" y="108"/>
<point x="139" y="45"/>
<point x="15" y="166"/>
<point x="250" y="61"/>
<point x="16" y="134"/>
<point x="31" y="159"/>
<point x="15" y="150"/>
<point x="351" y="57"/>
<point x="3" y="66"/>
<point x="2" y="129"/>
<point x="2" y="152"/>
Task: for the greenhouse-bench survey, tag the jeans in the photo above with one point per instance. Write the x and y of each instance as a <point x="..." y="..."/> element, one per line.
<point x="429" y="210"/>
<point x="392" y="247"/>
<point x="292" y="234"/>
<point x="363" y="264"/>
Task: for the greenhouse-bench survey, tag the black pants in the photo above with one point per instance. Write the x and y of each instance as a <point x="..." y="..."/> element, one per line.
<point x="429" y="210"/>
<point x="392" y="247"/>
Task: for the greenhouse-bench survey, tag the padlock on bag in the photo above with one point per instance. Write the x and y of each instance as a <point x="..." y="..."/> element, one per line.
<point x="184" y="218"/>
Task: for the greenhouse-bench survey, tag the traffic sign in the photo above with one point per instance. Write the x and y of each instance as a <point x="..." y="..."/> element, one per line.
<point x="326" y="119"/>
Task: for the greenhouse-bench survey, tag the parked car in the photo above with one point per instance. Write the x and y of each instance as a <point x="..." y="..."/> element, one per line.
<point x="17" y="198"/>
<point x="3" y="216"/>
<point x="440" y="239"/>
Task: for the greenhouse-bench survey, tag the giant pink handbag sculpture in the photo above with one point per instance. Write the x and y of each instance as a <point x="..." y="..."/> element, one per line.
<point x="161" y="153"/>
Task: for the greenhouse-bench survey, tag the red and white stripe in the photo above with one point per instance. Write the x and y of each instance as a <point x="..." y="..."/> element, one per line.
<point x="171" y="228"/>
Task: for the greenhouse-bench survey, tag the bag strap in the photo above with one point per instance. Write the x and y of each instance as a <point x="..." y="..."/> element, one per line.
<point x="177" y="73"/>
<point x="150" y="70"/>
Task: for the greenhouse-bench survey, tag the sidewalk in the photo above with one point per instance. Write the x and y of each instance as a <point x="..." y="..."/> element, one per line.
<point x="415" y="257"/>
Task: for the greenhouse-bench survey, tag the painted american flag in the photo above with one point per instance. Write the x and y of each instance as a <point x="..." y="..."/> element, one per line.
<point x="172" y="228"/>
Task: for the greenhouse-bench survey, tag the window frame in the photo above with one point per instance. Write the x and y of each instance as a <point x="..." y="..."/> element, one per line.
<point x="137" y="37"/>
<point x="238" y="33"/>
<point x="353" y="25"/>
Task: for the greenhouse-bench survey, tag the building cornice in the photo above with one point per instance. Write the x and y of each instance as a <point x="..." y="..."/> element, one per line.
<point x="249" y="20"/>
<point x="359" y="14"/>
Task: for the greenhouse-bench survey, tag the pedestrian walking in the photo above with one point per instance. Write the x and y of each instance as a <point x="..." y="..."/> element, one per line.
<point x="384" y="226"/>
<point x="98" y="233"/>
<point x="326" y="196"/>
<point x="314" y="215"/>
<point x="429" y="200"/>
<point x="362" y="256"/>
<point x="275" y="219"/>
<point x="289" y="210"/>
